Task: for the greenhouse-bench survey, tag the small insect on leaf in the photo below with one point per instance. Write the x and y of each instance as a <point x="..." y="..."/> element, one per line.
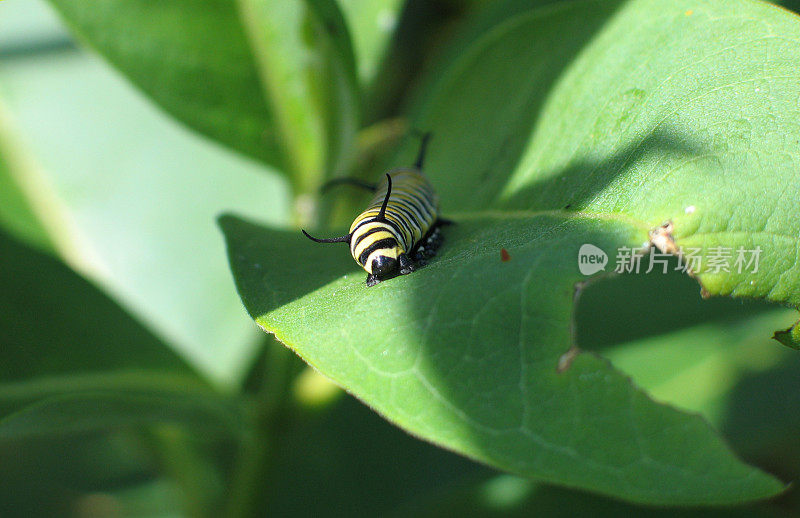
<point x="394" y="236"/>
<point x="504" y="256"/>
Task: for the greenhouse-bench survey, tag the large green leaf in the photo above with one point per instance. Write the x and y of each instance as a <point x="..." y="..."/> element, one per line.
<point x="306" y="64"/>
<point x="506" y="496"/>
<point x="478" y="375"/>
<point x="61" y="335"/>
<point x="338" y="446"/>
<point x="129" y="199"/>
<point x="280" y="88"/>
<point x="582" y="123"/>
<point x="75" y="368"/>
<point x="327" y="454"/>
<point x="371" y="24"/>
<point x="695" y="352"/>
<point x="697" y="368"/>
<point x="643" y="123"/>
<point x="17" y="212"/>
<point x="104" y="411"/>
<point x="328" y="451"/>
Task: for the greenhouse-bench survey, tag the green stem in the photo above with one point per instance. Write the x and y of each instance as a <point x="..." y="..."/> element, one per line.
<point x="257" y="450"/>
<point x="187" y="467"/>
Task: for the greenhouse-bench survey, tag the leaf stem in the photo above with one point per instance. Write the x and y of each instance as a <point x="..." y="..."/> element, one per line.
<point x="274" y="407"/>
<point x="187" y="467"/>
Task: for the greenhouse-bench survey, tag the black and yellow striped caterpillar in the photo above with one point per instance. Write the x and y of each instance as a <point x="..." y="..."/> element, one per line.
<point x="399" y="230"/>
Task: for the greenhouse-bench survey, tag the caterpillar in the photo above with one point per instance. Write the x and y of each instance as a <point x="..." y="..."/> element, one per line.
<point x="399" y="230"/>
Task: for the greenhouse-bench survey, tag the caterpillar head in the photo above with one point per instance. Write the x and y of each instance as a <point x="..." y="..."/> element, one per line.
<point x="384" y="266"/>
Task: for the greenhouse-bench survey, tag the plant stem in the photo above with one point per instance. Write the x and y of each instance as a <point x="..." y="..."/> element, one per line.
<point x="187" y="467"/>
<point x="273" y="408"/>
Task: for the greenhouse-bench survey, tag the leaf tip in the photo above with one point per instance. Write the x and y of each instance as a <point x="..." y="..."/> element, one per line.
<point x="225" y="219"/>
<point x="789" y="337"/>
<point x="228" y="223"/>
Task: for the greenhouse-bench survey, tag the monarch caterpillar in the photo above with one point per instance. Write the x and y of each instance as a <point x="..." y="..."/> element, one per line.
<point x="400" y="228"/>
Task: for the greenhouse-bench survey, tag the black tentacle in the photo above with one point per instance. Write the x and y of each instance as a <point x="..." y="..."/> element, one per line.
<point x="340" y="239"/>
<point x="382" y="213"/>
<point x="422" y="149"/>
<point x="355" y="182"/>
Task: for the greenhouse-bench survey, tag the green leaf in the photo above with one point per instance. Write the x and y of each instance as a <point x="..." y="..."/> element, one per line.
<point x="698" y="368"/>
<point x="274" y="88"/>
<point x="302" y="49"/>
<point x="74" y="364"/>
<point x="789" y="337"/>
<point x="60" y="334"/>
<point x="692" y="135"/>
<point x="207" y="81"/>
<point x="694" y="352"/>
<point x="17" y="212"/>
<point x="129" y="200"/>
<point x="372" y="24"/>
<point x="332" y="450"/>
<point x="478" y="376"/>
<point x="55" y="472"/>
<point x="506" y="496"/>
<point x="581" y="123"/>
<point x="92" y="412"/>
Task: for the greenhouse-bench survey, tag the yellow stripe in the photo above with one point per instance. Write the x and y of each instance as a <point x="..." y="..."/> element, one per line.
<point x="415" y="228"/>
<point x="358" y="231"/>
<point x="370" y="240"/>
<point x="364" y="228"/>
<point x="419" y="211"/>
<point x="408" y="239"/>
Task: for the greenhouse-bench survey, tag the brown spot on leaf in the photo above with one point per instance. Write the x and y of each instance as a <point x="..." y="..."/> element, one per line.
<point x="661" y="238"/>
<point x="566" y="359"/>
<point x="504" y="255"/>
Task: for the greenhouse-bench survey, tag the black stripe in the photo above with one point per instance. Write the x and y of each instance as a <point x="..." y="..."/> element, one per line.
<point x="429" y="195"/>
<point x="399" y="217"/>
<point x="394" y="226"/>
<point x="409" y="218"/>
<point x="421" y="198"/>
<point x="388" y="223"/>
<point x="423" y="190"/>
<point x="389" y="243"/>
<point x="369" y="219"/>
<point x="427" y="216"/>
<point x="417" y="196"/>
<point x="423" y="211"/>
<point x="361" y="237"/>
<point x="403" y="209"/>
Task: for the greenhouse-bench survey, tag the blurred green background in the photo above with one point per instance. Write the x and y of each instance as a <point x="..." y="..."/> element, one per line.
<point x="119" y="282"/>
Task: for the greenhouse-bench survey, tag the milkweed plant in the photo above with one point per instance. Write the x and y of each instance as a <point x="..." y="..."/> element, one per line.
<point x="605" y="324"/>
